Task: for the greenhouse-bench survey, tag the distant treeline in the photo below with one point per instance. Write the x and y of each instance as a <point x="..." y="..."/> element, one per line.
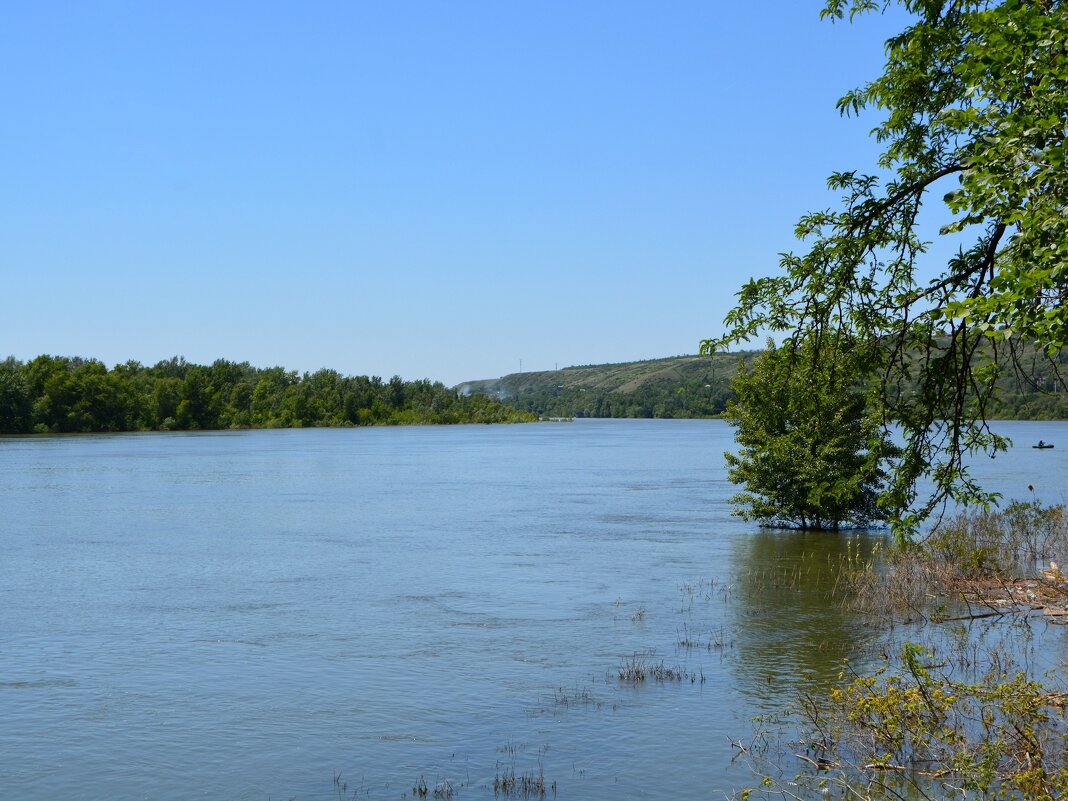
<point x="1041" y="396"/>
<point x="60" y="394"/>
<point x="686" y="399"/>
<point x="676" y="386"/>
<point x="690" y="386"/>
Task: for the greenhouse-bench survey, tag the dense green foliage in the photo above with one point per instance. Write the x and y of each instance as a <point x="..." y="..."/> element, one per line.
<point x="809" y="456"/>
<point x="913" y="729"/>
<point x="682" y="400"/>
<point x="59" y="394"/>
<point x="973" y="109"/>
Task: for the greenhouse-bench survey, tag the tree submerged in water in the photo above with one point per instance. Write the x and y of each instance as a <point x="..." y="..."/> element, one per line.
<point x="810" y="456"/>
<point x="973" y="105"/>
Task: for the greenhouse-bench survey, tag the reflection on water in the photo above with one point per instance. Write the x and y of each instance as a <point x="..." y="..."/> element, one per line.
<point x="791" y="626"/>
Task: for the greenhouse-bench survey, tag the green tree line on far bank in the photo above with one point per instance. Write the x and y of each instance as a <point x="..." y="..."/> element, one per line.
<point x="69" y="394"/>
<point x="685" y="399"/>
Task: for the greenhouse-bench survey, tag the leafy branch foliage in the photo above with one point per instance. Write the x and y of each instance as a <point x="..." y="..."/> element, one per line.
<point x="913" y="730"/>
<point x="60" y="394"/>
<point x="974" y="93"/>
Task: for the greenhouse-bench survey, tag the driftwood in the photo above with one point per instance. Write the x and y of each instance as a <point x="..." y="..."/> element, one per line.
<point x="978" y="615"/>
<point x="1046" y="594"/>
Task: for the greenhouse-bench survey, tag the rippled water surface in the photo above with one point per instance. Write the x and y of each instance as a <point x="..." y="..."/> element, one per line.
<point x="247" y="615"/>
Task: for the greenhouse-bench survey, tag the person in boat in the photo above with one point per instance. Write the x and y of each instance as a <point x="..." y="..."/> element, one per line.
<point x="1041" y="444"/>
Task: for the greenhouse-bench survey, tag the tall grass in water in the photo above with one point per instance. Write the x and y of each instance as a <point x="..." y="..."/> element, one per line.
<point x="996" y="558"/>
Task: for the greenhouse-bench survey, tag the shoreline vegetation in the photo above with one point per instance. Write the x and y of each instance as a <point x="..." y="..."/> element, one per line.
<point x="58" y="394"/>
<point x="959" y="715"/>
<point x="974" y="93"/>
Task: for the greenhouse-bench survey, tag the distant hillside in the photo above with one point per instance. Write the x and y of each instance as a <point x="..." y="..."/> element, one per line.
<point x="679" y="386"/>
<point x="697" y="386"/>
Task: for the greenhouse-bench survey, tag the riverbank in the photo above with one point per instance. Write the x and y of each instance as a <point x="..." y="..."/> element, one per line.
<point x="961" y="710"/>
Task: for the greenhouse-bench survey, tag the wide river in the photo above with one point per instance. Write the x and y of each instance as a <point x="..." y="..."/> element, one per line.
<point x="256" y="614"/>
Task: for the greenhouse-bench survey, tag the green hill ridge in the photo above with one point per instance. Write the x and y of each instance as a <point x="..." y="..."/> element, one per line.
<point x="700" y="386"/>
<point x="677" y="386"/>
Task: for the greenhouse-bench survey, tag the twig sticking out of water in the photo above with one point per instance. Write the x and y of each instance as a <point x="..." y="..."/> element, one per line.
<point x="716" y="642"/>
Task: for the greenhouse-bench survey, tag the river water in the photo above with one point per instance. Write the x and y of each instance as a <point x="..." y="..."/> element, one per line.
<point x="320" y="613"/>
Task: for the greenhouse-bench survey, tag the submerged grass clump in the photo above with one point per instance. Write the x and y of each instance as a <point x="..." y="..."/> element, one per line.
<point x="716" y="641"/>
<point x="639" y="666"/>
<point x="524" y="785"/>
<point x="704" y="590"/>
<point x="574" y="696"/>
<point x="443" y="790"/>
<point x="633" y="669"/>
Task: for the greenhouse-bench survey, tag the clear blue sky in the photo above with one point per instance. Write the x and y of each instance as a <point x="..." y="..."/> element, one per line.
<point x="418" y="188"/>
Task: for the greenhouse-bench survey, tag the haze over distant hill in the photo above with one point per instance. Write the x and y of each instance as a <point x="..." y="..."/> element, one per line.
<point x="698" y="386"/>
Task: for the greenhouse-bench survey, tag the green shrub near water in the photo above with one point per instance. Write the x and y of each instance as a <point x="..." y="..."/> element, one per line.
<point x="809" y="456"/>
<point x="914" y="730"/>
